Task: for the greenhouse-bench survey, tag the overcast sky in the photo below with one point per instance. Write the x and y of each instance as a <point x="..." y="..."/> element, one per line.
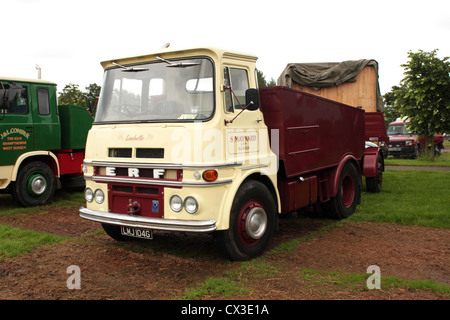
<point x="68" y="39"/>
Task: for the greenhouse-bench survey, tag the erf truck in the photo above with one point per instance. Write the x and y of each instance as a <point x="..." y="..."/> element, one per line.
<point x="40" y="143"/>
<point x="184" y="141"/>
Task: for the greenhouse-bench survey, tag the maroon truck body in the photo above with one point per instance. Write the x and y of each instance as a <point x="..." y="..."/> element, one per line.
<point x="317" y="137"/>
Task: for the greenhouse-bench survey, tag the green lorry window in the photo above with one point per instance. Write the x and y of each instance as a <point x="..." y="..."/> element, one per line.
<point x="16" y="98"/>
<point x="43" y="101"/>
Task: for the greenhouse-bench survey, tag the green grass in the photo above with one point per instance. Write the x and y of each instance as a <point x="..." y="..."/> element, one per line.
<point x="223" y="286"/>
<point x="442" y="161"/>
<point x="14" y="242"/>
<point x="357" y="281"/>
<point x="61" y="199"/>
<point x="409" y="197"/>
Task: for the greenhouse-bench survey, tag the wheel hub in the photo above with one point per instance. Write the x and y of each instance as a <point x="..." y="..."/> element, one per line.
<point x="256" y="223"/>
<point x="37" y="185"/>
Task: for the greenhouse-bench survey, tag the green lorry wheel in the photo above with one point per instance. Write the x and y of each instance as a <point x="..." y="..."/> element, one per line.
<point x="35" y="184"/>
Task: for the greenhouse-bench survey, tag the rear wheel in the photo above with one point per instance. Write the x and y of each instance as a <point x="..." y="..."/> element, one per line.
<point x="252" y="223"/>
<point x="35" y="184"/>
<point x="348" y="194"/>
<point x="373" y="184"/>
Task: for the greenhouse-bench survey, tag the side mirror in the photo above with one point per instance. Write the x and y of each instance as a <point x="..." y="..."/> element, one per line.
<point x="252" y="99"/>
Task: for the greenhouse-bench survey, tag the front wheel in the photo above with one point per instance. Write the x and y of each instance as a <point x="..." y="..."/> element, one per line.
<point x="35" y="184"/>
<point x="252" y="223"/>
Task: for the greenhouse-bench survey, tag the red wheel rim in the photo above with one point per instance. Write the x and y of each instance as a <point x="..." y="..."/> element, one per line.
<point x="348" y="190"/>
<point x="252" y="223"/>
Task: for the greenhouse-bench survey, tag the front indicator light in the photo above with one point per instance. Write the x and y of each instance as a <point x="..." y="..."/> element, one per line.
<point x="210" y="175"/>
<point x="176" y="203"/>
<point x="99" y="196"/>
<point x="190" y="205"/>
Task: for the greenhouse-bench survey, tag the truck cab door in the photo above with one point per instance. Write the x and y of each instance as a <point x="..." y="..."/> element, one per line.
<point x="243" y="128"/>
<point x="16" y="122"/>
<point x="47" y="128"/>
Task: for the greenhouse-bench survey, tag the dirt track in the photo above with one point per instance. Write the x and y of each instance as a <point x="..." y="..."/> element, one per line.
<point x="165" y="267"/>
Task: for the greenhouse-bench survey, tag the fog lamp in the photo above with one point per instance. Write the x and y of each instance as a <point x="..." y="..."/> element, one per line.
<point x="176" y="203"/>
<point x="99" y="196"/>
<point x="88" y="194"/>
<point x="190" y="205"/>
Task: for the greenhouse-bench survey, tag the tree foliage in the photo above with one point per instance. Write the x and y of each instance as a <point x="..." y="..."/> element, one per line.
<point x="72" y="95"/>
<point x="424" y="94"/>
<point x="262" y="82"/>
<point x="390" y="111"/>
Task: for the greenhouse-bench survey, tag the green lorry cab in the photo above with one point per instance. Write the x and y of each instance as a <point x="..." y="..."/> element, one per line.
<point x="40" y="142"/>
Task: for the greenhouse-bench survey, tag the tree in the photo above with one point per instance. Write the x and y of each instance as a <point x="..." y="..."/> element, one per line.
<point x="390" y="111"/>
<point x="71" y="94"/>
<point x="424" y="95"/>
<point x="262" y="80"/>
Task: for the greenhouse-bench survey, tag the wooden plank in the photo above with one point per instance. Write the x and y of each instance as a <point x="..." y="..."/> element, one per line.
<point x="361" y="93"/>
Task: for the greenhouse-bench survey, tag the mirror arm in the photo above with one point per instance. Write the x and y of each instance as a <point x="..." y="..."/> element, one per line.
<point x="243" y="109"/>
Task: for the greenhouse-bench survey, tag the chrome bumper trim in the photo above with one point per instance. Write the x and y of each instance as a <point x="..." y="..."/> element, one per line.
<point x="148" y="223"/>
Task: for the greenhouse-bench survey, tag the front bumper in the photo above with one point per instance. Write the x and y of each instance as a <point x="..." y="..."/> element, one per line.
<point x="148" y="223"/>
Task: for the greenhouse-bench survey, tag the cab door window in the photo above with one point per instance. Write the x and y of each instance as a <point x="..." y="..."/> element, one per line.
<point x="43" y="101"/>
<point x="15" y="97"/>
<point x="238" y="80"/>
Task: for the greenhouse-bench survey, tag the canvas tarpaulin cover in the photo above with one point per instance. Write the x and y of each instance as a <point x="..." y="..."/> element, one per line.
<point x="328" y="74"/>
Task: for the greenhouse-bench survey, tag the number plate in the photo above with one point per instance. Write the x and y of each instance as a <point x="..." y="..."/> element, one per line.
<point x="137" y="233"/>
<point x="395" y="149"/>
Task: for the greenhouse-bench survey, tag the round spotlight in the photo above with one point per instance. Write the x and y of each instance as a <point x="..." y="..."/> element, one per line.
<point x="190" y="205"/>
<point x="99" y="196"/>
<point x="176" y="203"/>
<point x="89" y="194"/>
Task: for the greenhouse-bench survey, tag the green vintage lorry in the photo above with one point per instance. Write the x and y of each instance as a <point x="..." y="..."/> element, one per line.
<point x="41" y="143"/>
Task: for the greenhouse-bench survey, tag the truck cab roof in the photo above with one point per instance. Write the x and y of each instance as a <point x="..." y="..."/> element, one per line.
<point x="167" y="53"/>
<point x="13" y="79"/>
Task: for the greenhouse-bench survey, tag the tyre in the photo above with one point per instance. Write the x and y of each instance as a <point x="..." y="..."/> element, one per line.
<point x="348" y="194"/>
<point x="373" y="184"/>
<point x="114" y="232"/>
<point x="35" y="184"/>
<point x="252" y="223"/>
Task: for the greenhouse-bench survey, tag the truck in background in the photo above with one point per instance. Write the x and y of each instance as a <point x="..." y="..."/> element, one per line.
<point x="184" y="141"/>
<point x="41" y="143"/>
<point x="404" y="143"/>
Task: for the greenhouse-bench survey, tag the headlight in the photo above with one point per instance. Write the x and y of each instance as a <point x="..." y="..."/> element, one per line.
<point x="88" y="194"/>
<point x="409" y="143"/>
<point x="190" y="205"/>
<point x="176" y="203"/>
<point x="99" y="196"/>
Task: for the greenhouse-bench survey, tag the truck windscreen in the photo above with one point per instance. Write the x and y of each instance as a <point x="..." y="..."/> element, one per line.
<point x="161" y="91"/>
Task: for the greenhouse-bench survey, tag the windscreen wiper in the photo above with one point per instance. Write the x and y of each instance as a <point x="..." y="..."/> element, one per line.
<point x="127" y="69"/>
<point x="178" y="65"/>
